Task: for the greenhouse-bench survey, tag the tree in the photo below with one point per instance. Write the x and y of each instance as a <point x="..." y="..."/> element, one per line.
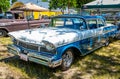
<point x="44" y="0"/>
<point x="13" y="1"/>
<point x="80" y="3"/>
<point x="4" y="5"/>
<point x="62" y="4"/>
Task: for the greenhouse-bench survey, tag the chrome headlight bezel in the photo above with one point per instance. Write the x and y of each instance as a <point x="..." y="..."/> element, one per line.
<point x="49" y="47"/>
<point x="12" y="38"/>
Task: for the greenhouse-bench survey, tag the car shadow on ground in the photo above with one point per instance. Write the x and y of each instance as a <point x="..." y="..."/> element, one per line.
<point x="103" y="61"/>
<point x="33" y="70"/>
<point x="100" y="62"/>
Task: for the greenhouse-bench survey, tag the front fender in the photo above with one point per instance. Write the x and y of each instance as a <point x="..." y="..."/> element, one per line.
<point x="62" y="49"/>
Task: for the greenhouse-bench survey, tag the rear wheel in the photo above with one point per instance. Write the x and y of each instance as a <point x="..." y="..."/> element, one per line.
<point x="67" y="59"/>
<point x="117" y="36"/>
<point x="3" y="33"/>
<point x="107" y="42"/>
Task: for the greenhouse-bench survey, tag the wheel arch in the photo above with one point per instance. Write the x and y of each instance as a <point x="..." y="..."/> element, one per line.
<point x="76" y="50"/>
<point x="4" y="29"/>
<point x="4" y="32"/>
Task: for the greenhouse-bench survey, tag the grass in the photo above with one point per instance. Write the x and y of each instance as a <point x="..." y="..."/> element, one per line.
<point x="103" y="63"/>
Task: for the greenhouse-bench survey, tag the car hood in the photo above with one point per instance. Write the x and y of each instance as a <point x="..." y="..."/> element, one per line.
<point x="56" y="36"/>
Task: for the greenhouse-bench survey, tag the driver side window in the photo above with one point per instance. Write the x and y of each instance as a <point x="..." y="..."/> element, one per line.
<point x="79" y="24"/>
<point x="100" y="23"/>
<point x="92" y="23"/>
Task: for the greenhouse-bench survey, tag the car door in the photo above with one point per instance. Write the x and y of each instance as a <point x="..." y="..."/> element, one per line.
<point x="102" y="39"/>
<point x="94" y="30"/>
<point x="86" y="44"/>
<point x="92" y="40"/>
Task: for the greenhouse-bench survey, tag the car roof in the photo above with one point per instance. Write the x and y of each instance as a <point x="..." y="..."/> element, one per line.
<point x="67" y="15"/>
<point x="94" y="17"/>
<point x="79" y="16"/>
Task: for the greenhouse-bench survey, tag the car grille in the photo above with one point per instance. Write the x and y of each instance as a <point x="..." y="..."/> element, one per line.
<point x="26" y="45"/>
<point x="34" y="47"/>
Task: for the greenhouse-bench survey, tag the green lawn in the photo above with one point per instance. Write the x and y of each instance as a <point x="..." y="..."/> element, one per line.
<point x="104" y="63"/>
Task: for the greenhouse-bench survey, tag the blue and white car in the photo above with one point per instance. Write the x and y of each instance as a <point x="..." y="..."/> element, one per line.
<point x="66" y="35"/>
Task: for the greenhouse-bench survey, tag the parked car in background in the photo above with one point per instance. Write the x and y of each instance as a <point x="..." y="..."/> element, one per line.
<point x="64" y="38"/>
<point x="15" y="20"/>
<point x="117" y="16"/>
<point x="1" y="15"/>
<point x="111" y="16"/>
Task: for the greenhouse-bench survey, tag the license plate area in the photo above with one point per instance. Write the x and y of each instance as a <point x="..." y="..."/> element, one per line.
<point x="23" y="57"/>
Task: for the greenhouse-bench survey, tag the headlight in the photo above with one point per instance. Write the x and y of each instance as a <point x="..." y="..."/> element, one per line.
<point x="49" y="46"/>
<point x="13" y="39"/>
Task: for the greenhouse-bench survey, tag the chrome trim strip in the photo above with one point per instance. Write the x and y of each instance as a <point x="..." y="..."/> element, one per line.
<point x="49" y="64"/>
<point x="14" y="48"/>
<point x="35" y="57"/>
<point x="56" y="63"/>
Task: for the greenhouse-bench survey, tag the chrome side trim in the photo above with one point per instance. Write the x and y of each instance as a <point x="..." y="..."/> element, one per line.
<point x="34" y="57"/>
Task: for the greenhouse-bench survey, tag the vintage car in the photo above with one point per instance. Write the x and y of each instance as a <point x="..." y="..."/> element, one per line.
<point x="58" y="44"/>
<point x="15" y="20"/>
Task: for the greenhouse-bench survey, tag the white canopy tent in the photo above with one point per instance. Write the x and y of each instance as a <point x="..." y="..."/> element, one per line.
<point x="103" y="4"/>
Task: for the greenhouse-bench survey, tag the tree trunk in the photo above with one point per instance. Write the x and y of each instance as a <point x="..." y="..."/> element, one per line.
<point x="68" y="7"/>
<point x="62" y="11"/>
<point x="0" y="10"/>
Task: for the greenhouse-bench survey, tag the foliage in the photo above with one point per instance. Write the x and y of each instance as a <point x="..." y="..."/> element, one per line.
<point x="44" y="0"/>
<point x="62" y="4"/>
<point x="4" y="5"/>
<point x="13" y="1"/>
<point x="80" y="3"/>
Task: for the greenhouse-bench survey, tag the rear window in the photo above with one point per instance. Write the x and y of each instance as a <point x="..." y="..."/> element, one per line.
<point x="92" y="23"/>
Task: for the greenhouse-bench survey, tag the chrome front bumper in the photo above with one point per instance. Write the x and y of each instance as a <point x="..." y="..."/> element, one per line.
<point x="35" y="57"/>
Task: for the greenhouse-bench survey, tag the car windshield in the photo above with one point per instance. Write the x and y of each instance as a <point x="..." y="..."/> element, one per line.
<point x="9" y="15"/>
<point x="74" y="23"/>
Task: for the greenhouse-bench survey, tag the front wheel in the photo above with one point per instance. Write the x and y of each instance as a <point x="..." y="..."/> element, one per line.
<point x="3" y="33"/>
<point x="67" y="59"/>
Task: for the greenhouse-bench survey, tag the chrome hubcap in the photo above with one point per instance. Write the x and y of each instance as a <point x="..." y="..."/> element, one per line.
<point x="67" y="58"/>
<point x="1" y="33"/>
